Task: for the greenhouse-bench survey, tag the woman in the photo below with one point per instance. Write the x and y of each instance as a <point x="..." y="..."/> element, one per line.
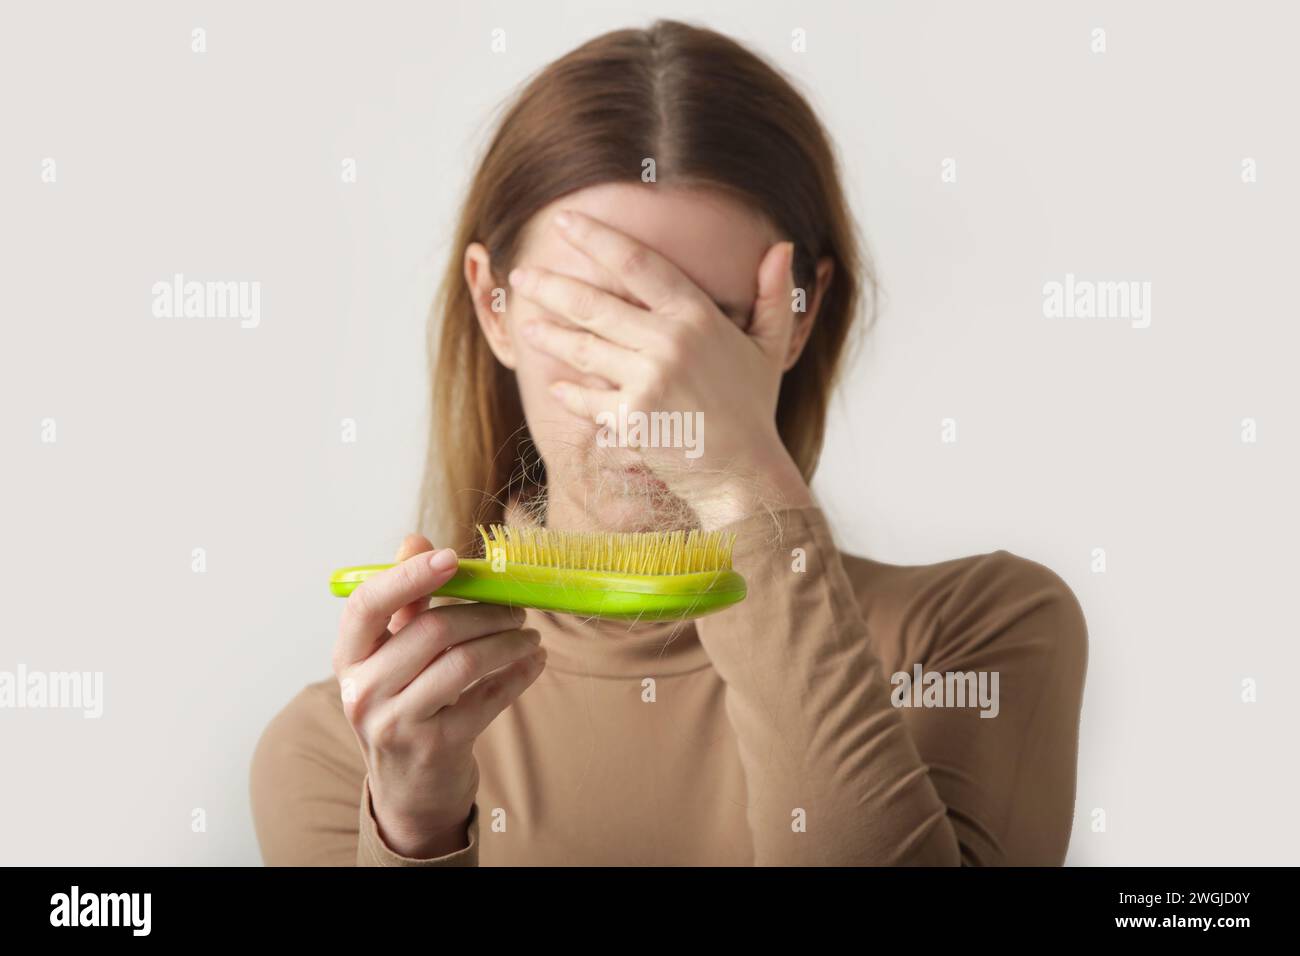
<point x="658" y="224"/>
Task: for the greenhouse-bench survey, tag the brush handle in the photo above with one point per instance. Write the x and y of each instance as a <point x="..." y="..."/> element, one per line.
<point x="642" y="597"/>
<point x="474" y="580"/>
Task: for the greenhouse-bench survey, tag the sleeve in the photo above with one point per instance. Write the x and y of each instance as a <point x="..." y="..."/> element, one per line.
<point x="1007" y="772"/>
<point x="372" y="851"/>
<point x="834" y="772"/>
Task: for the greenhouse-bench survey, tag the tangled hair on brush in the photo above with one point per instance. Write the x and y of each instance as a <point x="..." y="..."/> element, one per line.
<point x="715" y="116"/>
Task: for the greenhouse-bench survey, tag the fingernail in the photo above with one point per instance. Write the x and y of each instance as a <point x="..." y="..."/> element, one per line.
<point x="519" y="613"/>
<point x="530" y="330"/>
<point x="556" y="389"/>
<point x="443" y="560"/>
<point x="563" y="220"/>
<point x="518" y="276"/>
<point x="534" y="636"/>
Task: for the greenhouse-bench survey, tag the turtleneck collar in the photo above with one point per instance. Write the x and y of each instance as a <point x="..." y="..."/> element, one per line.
<point x="600" y="648"/>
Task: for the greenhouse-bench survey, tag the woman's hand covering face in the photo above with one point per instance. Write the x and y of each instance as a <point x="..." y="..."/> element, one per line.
<point x="672" y="356"/>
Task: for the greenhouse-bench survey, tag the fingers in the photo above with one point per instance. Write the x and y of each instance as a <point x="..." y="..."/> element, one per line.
<point x="773" y="309"/>
<point x="485" y="701"/>
<point x="368" y="609"/>
<point x="588" y="353"/>
<point x="646" y="274"/>
<point x="441" y="683"/>
<point x="594" y="309"/>
<point x="412" y="545"/>
<point x="408" y="652"/>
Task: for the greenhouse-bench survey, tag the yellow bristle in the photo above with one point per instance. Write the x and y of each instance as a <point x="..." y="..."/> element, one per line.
<point x="621" y="552"/>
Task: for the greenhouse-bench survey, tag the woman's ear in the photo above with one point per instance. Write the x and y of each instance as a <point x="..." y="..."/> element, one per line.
<point x="804" y="323"/>
<point x="489" y="303"/>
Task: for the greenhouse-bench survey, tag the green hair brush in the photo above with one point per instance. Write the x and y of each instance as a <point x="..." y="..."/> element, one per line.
<point x="627" y="576"/>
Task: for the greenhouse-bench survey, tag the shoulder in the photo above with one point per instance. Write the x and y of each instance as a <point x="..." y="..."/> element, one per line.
<point x="312" y="720"/>
<point x="305" y="781"/>
<point x="955" y="607"/>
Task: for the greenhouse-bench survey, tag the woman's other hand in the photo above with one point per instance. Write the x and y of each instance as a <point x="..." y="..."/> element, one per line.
<point x="419" y="685"/>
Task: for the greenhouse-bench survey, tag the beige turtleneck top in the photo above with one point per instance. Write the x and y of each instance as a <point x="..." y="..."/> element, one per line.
<point x="775" y="732"/>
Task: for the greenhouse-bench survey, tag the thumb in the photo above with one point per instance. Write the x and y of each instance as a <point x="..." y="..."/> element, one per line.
<point x="772" y="321"/>
<point x="412" y="545"/>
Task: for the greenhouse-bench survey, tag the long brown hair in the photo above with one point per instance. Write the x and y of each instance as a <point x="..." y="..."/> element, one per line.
<point x="710" y="113"/>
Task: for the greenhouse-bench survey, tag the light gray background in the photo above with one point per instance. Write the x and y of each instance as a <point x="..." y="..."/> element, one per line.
<point x="1072" y="435"/>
